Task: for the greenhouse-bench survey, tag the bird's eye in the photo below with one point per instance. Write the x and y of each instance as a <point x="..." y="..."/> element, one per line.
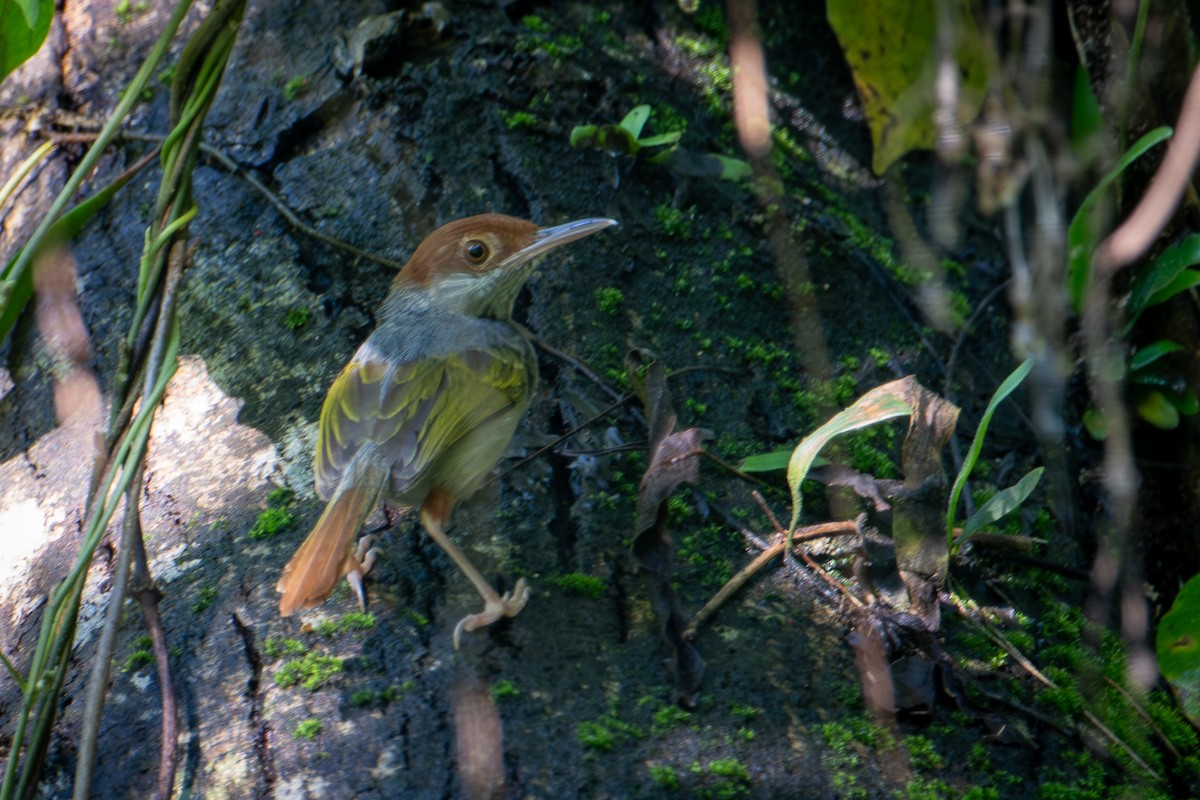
<point x="477" y="252"/>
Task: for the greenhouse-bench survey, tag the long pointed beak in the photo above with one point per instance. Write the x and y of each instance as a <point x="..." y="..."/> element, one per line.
<point x="546" y="239"/>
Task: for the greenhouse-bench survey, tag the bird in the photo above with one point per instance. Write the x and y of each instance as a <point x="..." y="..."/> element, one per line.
<point x="428" y="404"/>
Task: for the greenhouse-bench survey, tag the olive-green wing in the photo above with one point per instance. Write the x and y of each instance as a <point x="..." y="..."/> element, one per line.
<point x="415" y="412"/>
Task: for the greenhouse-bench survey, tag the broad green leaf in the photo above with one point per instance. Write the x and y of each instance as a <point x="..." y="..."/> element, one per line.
<point x="1178" y="648"/>
<point x="732" y="169"/>
<point x="1153" y="281"/>
<point x="1154" y="407"/>
<point x="604" y="137"/>
<point x="23" y="27"/>
<point x="670" y="137"/>
<point x="635" y="120"/>
<point x="766" y="462"/>
<point x="1145" y="356"/>
<point x="1082" y="237"/>
<point x="772" y="461"/>
<point x="1183" y="281"/>
<point x="878" y="405"/>
<point x="1005" y="389"/>
<point x="892" y="49"/>
<point x="1002" y="504"/>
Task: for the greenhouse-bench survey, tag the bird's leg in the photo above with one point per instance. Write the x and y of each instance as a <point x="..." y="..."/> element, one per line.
<point x="435" y="511"/>
<point x="357" y="564"/>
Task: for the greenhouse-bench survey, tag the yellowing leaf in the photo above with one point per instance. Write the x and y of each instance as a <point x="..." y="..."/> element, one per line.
<point x="892" y="47"/>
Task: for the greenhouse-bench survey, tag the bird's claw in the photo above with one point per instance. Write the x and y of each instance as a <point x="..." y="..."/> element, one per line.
<point x="358" y="565"/>
<point x="493" y="609"/>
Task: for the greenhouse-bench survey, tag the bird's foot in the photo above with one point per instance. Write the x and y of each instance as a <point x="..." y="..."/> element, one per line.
<point x="494" y="608"/>
<point x="358" y="564"/>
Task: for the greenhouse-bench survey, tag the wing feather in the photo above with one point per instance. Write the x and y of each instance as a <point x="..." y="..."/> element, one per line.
<point x="421" y="412"/>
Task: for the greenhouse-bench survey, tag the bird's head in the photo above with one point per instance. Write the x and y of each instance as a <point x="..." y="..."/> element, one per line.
<point x="478" y="265"/>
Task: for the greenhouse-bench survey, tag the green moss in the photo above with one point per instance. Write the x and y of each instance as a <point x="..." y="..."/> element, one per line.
<point x="595" y="736"/>
<point x="577" y="583"/>
<point x="347" y="623"/>
<point x="308" y="729"/>
<point x="669" y="717"/>
<point x="674" y="222"/>
<point x="270" y="522"/>
<point x="745" y="713"/>
<point x="664" y="776"/>
<point x="535" y="23"/>
<point x="295" y="87"/>
<point x="296" y="317"/>
<point x="312" y="671"/>
<point x="379" y="698"/>
<point x="275" y="647"/>
<point x="609" y="300"/>
<point x="518" y="119"/>
<point x="922" y="754"/>
<point x="505" y="690"/>
<point x="137" y="659"/>
<point x="205" y="598"/>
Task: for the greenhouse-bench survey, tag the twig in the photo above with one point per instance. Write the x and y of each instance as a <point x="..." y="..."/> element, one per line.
<point x="808" y="533"/>
<point x="236" y="169"/>
<point x="1002" y="640"/>
<point x="583" y="369"/>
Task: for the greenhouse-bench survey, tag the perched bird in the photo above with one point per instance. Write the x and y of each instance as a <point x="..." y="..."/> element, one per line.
<point x="429" y="402"/>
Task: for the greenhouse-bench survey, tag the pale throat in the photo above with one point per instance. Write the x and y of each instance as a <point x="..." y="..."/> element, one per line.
<point x="490" y="295"/>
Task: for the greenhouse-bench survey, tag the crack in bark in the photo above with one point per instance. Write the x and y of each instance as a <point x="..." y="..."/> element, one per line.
<point x="261" y="729"/>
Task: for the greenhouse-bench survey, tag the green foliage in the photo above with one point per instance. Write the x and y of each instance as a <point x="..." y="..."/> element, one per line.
<point x="205" y="598"/>
<point x="595" y="735"/>
<point x="275" y="518"/>
<point x="1084" y="234"/>
<point x="1178" y="647"/>
<point x="1007" y="386"/>
<point x="311" y="671"/>
<point x="922" y="754"/>
<point x="308" y="729"/>
<point x="518" y="119"/>
<point x="665" y="776"/>
<point x="271" y="522"/>
<point x="625" y="138"/>
<point x="609" y="300"/>
<point x="275" y="647"/>
<point x="295" y="87"/>
<point x="23" y="27"/>
<point x="577" y="583"/>
<point x="296" y="317"/>
<point x="505" y="690"/>
<point x="889" y="45"/>
<point x="347" y="623"/>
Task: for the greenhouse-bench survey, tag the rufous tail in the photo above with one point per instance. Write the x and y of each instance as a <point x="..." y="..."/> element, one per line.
<point x="322" y="560"/>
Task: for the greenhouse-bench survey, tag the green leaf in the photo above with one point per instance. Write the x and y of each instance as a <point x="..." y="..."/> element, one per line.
<point x="19" y="290"/>
<point x="732" y="169"/>
<point x="1082" y="237"/>
<point x="635" y="120"/>
<point x="878" y="405"/>
<point x="23" y="27"/>
<point x="892" y="47"/>
<point x="1178" y="648"/>
<point x="1157" y="281"/>
<point x="1156" y="408"/>
<point x="772" y="461"/>
<point x="1005" y="389"/>
<point x="670" y="137"/>
<point x="604" y="137"/>
<point x="1004" y="503"/>
<point x="1147" y="355"/>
